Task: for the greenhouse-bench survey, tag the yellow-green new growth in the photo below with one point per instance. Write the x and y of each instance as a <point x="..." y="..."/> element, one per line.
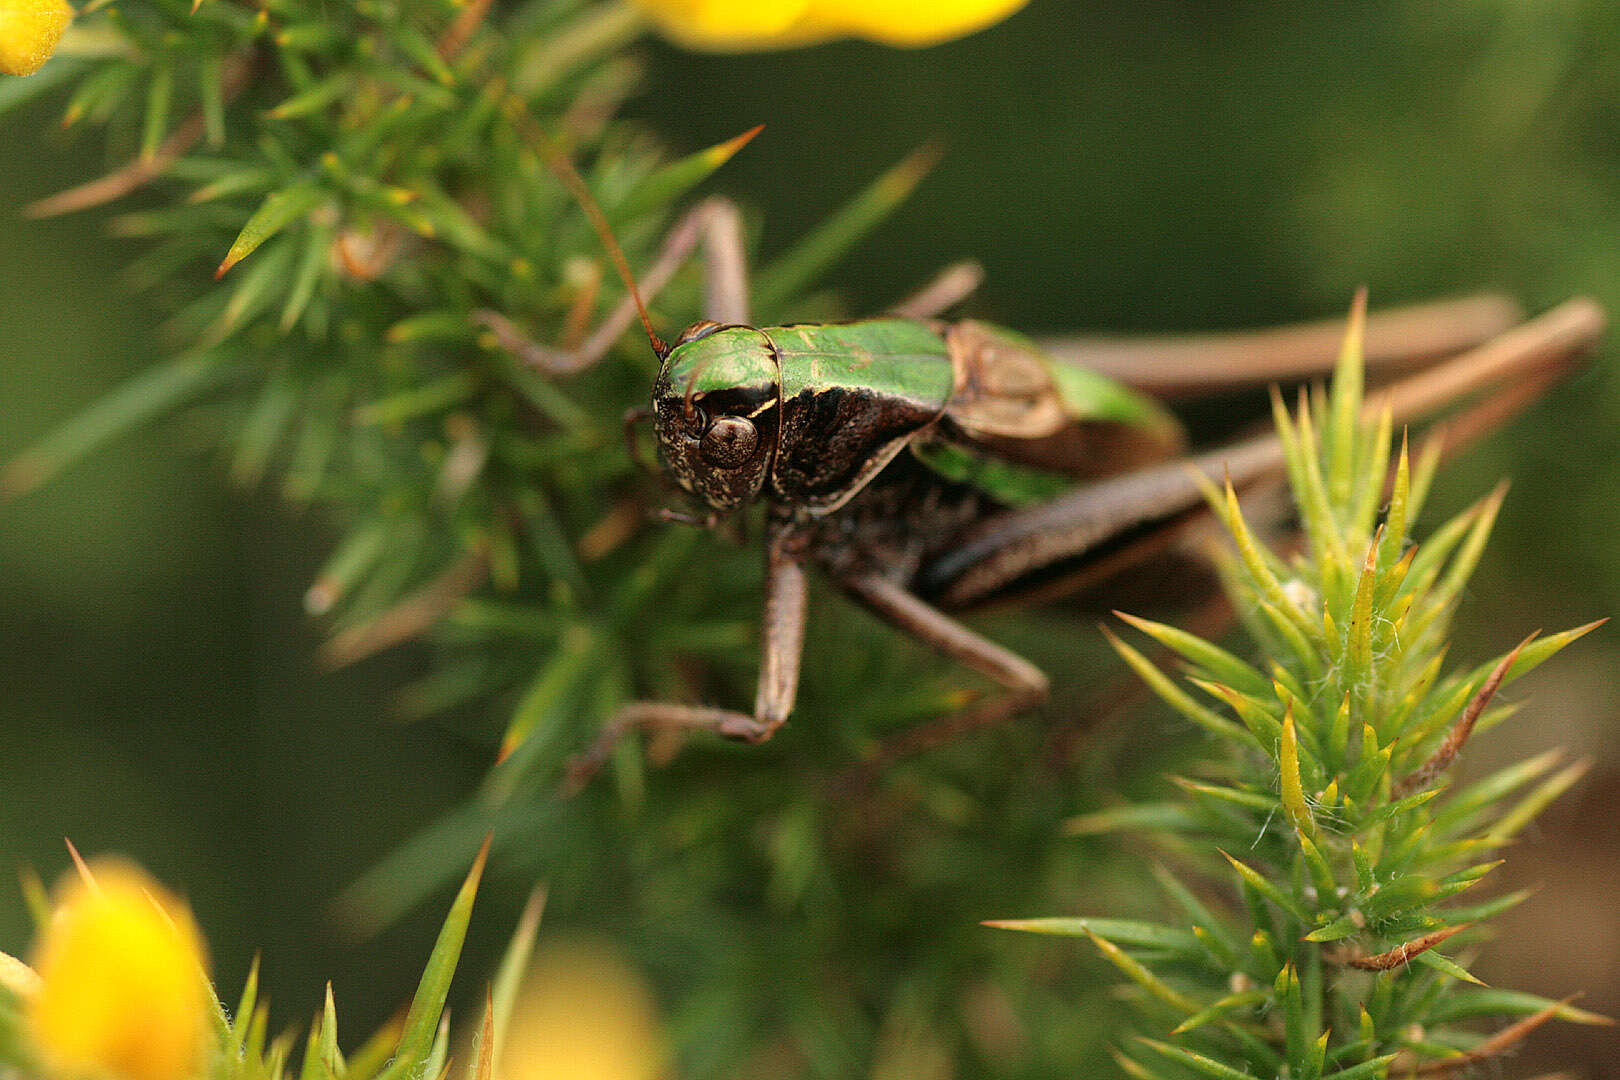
<point x="1322" y="806"/>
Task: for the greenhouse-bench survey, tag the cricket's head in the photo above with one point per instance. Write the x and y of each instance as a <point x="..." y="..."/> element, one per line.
<point x="716" y="408"/>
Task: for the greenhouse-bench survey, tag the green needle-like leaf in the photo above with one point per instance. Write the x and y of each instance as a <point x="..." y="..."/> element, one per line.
<point x="1198" y="1063"/>
<point x="509" y="976"/>
<point x="155" y="391"/>
<point x="1371" y="1069"/>
<point x="825" y="245"/>
<point x="1173" y="695"/>
<point x="1446" y="966"/>
<point x="1123" y="932"/>
<point x="159" y="99"/>
<point x="279" y="210"/>
<point x="1219" y="665"/>
<point x="1293" y="795"/>
<point x="1260" y="884"/>
<point x="1524" y="811"/>
<point x="1468" y="1004"/>
<point x="674" y="180"/>
<point x="421" y="1029"/>
<point x="1231" y="1003"/>
<point x="1130" y="817"/>
<point x="1138" y="973"/>
<point x="1346" y="403"/>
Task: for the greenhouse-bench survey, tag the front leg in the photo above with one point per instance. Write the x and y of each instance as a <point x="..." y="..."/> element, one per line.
<point x="781" y="651"/>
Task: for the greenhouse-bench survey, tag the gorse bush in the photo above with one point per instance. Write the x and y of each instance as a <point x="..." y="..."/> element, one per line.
<point x="353" y="220"/>
<point x="1349" y="869"/>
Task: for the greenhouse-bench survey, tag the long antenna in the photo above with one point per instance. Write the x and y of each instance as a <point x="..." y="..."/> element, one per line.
<point x="560" y="164"/>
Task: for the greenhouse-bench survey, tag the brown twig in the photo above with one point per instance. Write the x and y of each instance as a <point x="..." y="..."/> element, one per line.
<point x="140" y="171"/>
<point x="1501" y="1042"/>
<point x="413" y="615"/>
<point x="1453" y="744"/>
<point x="1403" y="953"/>
<point x="461" y="30"/>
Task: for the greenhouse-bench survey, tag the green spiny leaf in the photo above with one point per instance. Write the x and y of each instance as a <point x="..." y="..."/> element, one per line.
<point x="1134" y="1069"/>
<point x="1198" y="1063"/>
<point x="1445" y="965"/>
<point x="370" y="1058"/>
<point x="674" y="180"/>
<point x="313" y="1068"/>
<point x="1131" y="817"/>
<point x="1371" y="1069"/>
<point x="430" y="398"/>
<point x="1231" y="1003"/>
<point x="1296" y="1036"/>
<point x="1490" y="908"/>
<point x="1139" y="974"/>
<point x="1524" y="811"/>
<point x="1467" y="557"/>
<point x="156" y="390"/>
<point x="1248" y="800"/>
<point x="1358" y="668"/>
<point x="826" y="244"/>
<point x="421" y="1028"/>
<point x="1258" y="882"/>
<point x="1346" y="403"/>
<point x="331" y="1059"/>
<point x="1256" y="715"/>
<point x="1437" y="548"/>
<point x="1311" y="494"/>
<point x="1337" y="930"/>
<point x="245" y="1007"/>
<point x="509" y="976"/>
<point x="1173" y="695"/>
<point x="1398" y="895"/>
<point x="1395" y="518"/>
<point x="1126" y="932"/>
<point x="1293" y="795"/>
<point x="1321" y="873"/>
<point x="1372" y="472"/>
<point x="279" y="209"/>
<point x="1468" y="1004"/>
<point x="1219" y="665"/>
<point x="159" y="99"/>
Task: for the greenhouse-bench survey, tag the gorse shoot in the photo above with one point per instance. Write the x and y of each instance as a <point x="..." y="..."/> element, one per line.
<point x="1329" y="877"/>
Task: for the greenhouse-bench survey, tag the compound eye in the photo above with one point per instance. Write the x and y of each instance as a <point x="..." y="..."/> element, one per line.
<point x="729" y="442"/>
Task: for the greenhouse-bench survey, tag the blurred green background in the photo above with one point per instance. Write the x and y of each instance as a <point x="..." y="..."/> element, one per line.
<point x="1115" y="166"/>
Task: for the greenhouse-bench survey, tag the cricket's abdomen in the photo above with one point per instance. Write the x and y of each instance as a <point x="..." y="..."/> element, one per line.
<point x="897" y="524"/>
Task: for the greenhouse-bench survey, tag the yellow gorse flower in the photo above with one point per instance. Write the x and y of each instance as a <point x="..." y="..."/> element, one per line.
<point x="29" y="31"/>
<point x="122" y="991"/>
<point x="583" y="1014"/>
<point x="741" y="25"/>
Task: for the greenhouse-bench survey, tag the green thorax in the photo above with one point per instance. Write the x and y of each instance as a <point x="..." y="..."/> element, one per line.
<point x="897" y="358"/>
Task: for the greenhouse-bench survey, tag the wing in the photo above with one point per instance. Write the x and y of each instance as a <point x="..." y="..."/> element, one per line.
<point x="1013" y="404"/>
